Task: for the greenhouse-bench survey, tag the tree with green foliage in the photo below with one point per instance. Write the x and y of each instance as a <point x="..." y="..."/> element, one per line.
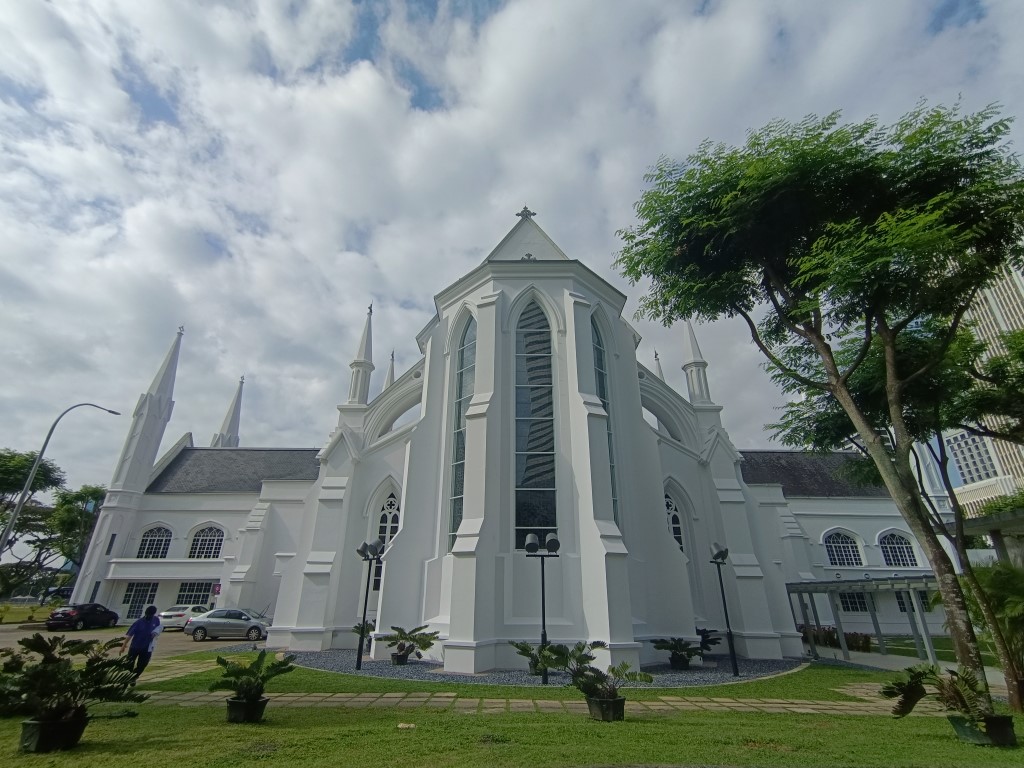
<point x="14" y="468"/>
<point x="814" y="419"/>
<point x="73" y="519"/>
<point x="816" y="233"/>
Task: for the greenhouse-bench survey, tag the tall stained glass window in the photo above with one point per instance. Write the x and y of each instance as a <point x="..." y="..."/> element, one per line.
<point x="387" y="529"/>
<point x="601" y="374"/>
<point x="465" y="379"/>
<point x="535" y="427"/>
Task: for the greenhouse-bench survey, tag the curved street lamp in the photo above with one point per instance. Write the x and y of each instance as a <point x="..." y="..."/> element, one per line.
<point x="371" y="552"/>
<point x="532" y="547"/>
<point x="718" y="560"/>
<point x="27" y="490"/>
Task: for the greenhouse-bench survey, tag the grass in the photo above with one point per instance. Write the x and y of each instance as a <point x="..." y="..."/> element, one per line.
<point x="818" y="682"/>
<point x="168" y="737"/>
<point x="19" y="614"/>
<point x="904" y="646"/>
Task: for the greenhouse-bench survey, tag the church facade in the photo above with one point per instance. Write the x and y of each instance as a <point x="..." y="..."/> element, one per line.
<point x="528" y="413"/>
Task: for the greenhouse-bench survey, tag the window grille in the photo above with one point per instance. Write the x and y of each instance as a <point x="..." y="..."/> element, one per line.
<point x="465" y="378"/>
<point x="842" y="550"/>
<point x="206" y="544"/>
<point x="154" y="544"/>
<point x="907" y="606"/>
<point x="534" y="428"/>
<point x="137" y="595"/>
<point x="194" y="592"/>
<point x="897" y="551"/>
<point x="853" y="602"/>
<point x="387" y="527"/>
<point x="675" y="523"/>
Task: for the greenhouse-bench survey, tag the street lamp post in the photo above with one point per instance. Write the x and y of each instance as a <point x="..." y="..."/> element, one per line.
<point x="718" y="560"/>
<point x="371" y="553"/>
<point x="532" y="546"/>
<point x="27" y="490"/>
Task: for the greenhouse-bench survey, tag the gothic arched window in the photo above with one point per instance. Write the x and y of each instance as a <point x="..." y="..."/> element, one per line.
<point x="465" y="378"/>
<point x="675" y="521"/>
<point x="206" y="544"/>
<point x="535" y="428"/>
<point x="387" y="527"/>
<point x="154" y="544"/>
<point x="842" y="550"/>
<point x="897" y="551"/>
<point x="601" y="376"/>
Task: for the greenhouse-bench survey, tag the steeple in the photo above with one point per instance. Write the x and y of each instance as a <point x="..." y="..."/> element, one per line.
<point x="695" y="368"/>
<point x="657" y="366"/>
<point x="228" y="435"/>
<point x="362" y="365"/>
<point x="152" y="412"/>
<point x="389" y="378"/>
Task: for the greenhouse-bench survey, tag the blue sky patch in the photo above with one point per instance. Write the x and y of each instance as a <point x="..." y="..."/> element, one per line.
<point x="955" y="13"/>
<point x="154" y="106"/>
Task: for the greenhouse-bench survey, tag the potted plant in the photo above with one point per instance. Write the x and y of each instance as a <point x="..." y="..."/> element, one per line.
<point x="528" y="652"/>
<point x="365" y="629"/>
<point x="681" y="651"/>
<point x="600" y="688"/>
<point x="409" y="642"/>
<point x="955" y="691"/>
<point x="47" y="681"/>
<point x="248" y="682"/>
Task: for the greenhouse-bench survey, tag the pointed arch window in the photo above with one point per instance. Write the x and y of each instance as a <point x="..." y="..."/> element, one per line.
<point x="387" y="527"/>
<point x="897" y="551"/>
<point x="465" y="380"/>
<point x="154" y="544"/>
<point x="535" y="428"/>
<point x="675" y="521"/>
<point x="601" y="376"/>
<point x="842" y="550"/>
<point x="206" y="544"/>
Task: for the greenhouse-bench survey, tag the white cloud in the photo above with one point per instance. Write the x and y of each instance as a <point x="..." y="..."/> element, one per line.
<point x="261" y="172"/>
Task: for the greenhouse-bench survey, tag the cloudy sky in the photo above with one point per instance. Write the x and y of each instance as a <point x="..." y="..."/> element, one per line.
<point x="259" y="172"/>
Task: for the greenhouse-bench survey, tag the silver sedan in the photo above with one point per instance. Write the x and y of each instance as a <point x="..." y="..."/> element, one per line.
<point x="225" y="622"/>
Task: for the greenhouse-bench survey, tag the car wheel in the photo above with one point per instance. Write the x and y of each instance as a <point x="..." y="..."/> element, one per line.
<point x="80" y="624"/>
<point x="254" y="633"/>
<point x="112" y="623"/>
<point x="198" y="634"/>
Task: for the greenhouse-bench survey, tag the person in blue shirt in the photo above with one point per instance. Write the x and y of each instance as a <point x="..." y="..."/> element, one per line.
<point x="141" y="640"/>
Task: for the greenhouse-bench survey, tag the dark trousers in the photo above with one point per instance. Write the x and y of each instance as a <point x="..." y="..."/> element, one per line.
<point x="138" y="660"/>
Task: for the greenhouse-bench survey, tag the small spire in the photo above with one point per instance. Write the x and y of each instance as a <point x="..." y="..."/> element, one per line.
<point x="362" y="364"/>
<point x="389" y="378"/>
<point x="695" y="368"/>
<point x="657" y="366"/>
<point x="526" y="213"/>
<point x="691" y="352"/>
<point x="228" y="435"/>
<point x="366" y="342"/>
<point x="163" y="382"/>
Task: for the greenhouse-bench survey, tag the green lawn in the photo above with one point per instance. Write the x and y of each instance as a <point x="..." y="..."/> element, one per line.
<point x="19" y="614"/>
<point x="164" y="736"/>
<point x="904" y="646"/>
<point x="817" y="682"/>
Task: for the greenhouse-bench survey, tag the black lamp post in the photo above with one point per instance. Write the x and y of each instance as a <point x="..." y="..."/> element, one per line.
<point x="718" y="560"/>
<point x="551" y="544"/>
<point x="370" y="552"/>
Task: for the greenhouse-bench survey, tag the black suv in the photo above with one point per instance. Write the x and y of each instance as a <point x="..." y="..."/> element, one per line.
<point x="81" y="616"/>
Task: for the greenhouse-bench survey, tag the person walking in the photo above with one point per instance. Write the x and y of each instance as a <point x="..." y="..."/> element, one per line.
<point x="141" y="641"/>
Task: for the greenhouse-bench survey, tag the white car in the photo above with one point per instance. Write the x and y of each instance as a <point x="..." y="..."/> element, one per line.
<point x="177" y="616"/>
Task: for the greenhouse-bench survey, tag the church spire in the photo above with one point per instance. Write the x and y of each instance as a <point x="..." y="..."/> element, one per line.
<point x="657" y="366"/>
<point x="362" y="365"/>
<point x="695" y="368"/>
<point x="389" y="378"/>
<point x="228" y="435"/>
<point x="149" y="420"/>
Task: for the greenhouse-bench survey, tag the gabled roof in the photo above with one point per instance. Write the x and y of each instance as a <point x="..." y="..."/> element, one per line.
<point x="526" y="241"/>
<point x="802" y="473"/>
<point x="234" y="470"/>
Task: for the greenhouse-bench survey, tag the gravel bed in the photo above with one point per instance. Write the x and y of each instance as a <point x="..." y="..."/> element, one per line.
<point x="716" y="670"/>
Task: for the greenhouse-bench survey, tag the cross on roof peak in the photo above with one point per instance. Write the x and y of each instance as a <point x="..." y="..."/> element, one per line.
<point x="526" y="213"/>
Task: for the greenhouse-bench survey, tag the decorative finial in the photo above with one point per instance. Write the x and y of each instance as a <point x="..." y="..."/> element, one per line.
<point x="242" y="380"/>
<point x="181" y="330"/>
<point x="370" y="312"/>
<point x="655" y="354"/>
<point x="526" y="213"/>
<point x="392" y="355"/>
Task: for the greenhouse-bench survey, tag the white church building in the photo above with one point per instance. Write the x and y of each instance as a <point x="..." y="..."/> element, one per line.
<point x="531" y="414"/>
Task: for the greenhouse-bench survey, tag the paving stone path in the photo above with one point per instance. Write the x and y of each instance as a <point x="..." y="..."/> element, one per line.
<point x="869" y="700"/>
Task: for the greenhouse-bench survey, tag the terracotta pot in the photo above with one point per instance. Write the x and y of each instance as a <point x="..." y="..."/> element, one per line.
<point x="608" y="710"/>
<point x="244" y="711"/>
<point x="399" y="659"/>
<point x="51" y="735"/>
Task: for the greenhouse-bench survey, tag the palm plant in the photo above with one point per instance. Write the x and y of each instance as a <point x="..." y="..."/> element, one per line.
<point x="591" y="681"/>
<point x="528" y="652"/>
<point x="954" y="690"/>
<point x="248" y="681"/>
<point x="411" y="641"/>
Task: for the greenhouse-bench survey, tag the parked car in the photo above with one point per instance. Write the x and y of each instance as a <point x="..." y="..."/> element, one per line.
<point x="225" y="622"/>
<point x="261" y="615"/>
<point x="177" y="615"/>
<point x="82" y="616"/>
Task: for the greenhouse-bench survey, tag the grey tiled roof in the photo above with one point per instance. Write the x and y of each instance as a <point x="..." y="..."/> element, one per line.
<point x="234" y="470"/>
<point x="800" y="473"/>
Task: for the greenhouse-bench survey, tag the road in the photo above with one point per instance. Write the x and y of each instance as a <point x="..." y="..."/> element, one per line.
<point x="172" y="642"/>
